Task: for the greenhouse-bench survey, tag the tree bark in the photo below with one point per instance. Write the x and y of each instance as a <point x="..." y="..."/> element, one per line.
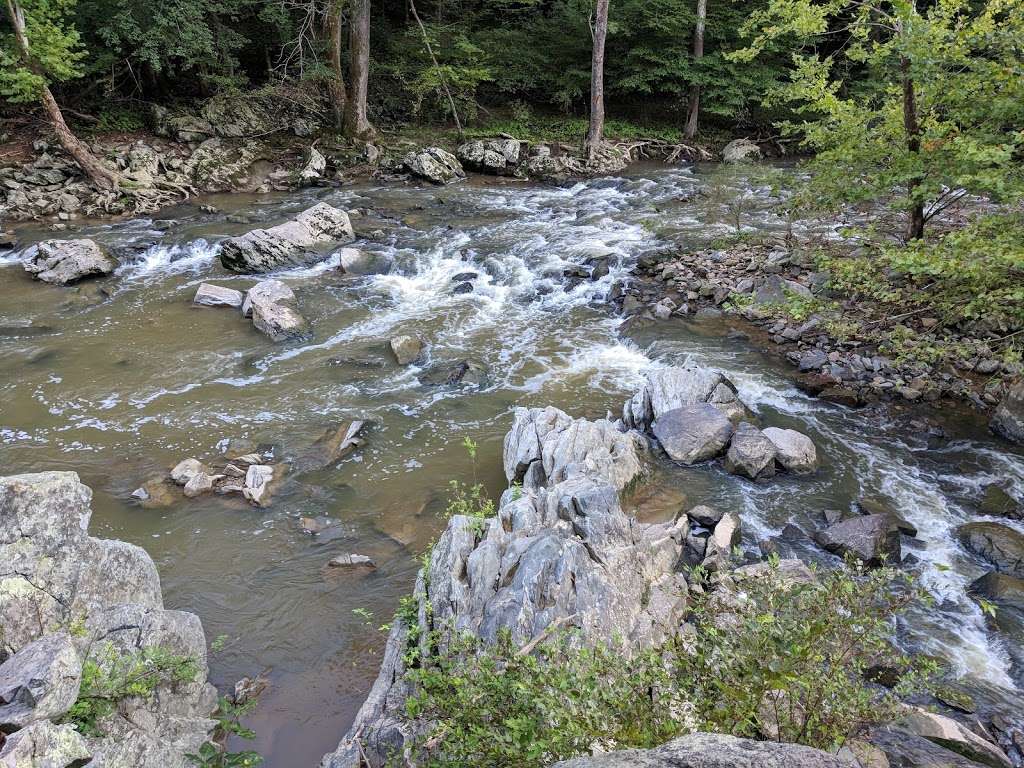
<point x="98" y="173"/>
<point x="698" y="54"/>
<point x="912" y="128"/>
<point x="357" y="124"/>
<point x="336" y="87"/>
<point x="595" y="134"/>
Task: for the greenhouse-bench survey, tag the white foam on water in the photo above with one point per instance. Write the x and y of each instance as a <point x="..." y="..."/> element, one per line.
<point x="161" y="260"/>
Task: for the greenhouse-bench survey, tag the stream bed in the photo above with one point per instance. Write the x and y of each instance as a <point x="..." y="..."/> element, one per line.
<point x="121" y="379"/>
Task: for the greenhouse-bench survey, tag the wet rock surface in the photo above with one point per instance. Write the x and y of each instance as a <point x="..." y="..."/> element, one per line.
<point x="272" y="306"/>
<point x="62" y="262"/>
<point x="54" y="575"/>
<point x="295" y="242"/>
<point x="433" y="164"/>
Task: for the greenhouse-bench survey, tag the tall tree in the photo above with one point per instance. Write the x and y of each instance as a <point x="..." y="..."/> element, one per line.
<point x="357" y="124"/>
<point x="698" y="54"/>
<point x="48" y="49"/>
<point x="595" y="134"/>
<point x="336" y="83"/>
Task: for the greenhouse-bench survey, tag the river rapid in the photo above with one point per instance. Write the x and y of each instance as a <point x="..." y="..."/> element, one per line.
<point x="121" y="379"/>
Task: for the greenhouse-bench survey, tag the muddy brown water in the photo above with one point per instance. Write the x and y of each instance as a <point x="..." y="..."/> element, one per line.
<point x="121" y="378"/>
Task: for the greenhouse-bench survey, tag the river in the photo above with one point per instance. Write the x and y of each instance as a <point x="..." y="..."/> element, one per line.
<point x="120" y="385"/>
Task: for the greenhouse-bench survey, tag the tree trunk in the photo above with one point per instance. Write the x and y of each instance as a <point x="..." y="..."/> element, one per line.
<point x="357" y="124"/>
<point x="336" y="87"/>
<point x="915" y="215"/>
<point x="98" y="173"/>
<point x="698" y="54"/>
<point x="595" y="134"/>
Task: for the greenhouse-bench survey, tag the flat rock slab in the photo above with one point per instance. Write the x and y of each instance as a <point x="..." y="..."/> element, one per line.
<point x="210" y="295"/>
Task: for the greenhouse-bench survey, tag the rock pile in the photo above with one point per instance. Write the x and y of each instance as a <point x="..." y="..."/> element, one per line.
<point x="270" y="303"/>
<point x="67" y="598"/>
<point x="433" y="164"/>
<point x="251" y="475"/>
<point x="500" y="157"/>
<point x="754" y="281"/>
<point x="695" y="415"/>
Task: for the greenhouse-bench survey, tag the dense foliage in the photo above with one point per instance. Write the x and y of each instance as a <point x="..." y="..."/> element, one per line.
<point x="774" y="657"/>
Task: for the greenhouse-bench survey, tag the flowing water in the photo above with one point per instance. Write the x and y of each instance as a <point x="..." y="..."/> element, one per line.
<point x="119" y="385"/>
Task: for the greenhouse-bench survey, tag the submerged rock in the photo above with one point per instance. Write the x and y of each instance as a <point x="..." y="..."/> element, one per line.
<point x="351" y="561"/>
<point x="272" y="306"/>
<point x="332" y="446"/>
<point x="66" y="261"/>
<point x="711" y="750"/>
<point x="434" y="165"/>
<point x="356" y="261"/>
<point x="293" y="243"/>
<point x="693" y="433"/>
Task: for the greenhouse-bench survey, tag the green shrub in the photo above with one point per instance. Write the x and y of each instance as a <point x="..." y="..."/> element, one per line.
<point x="109" y="677"/>
<point x="773" y="658"/>
<point x="229" y="723"/>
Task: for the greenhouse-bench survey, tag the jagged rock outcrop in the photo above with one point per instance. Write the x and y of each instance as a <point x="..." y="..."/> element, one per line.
<point x="62" y="262"/>
<point x="62" y="589"/>
<point x="559" y="550"/>
<point x="712" y="750"/>
<point x="294" y="243"/>
<point x="435" y="165"/>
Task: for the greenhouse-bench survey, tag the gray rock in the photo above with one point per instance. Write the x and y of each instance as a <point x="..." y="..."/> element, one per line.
<point x="313" y="168"/>
<point x="693" y="433"/>
<point x="1001" y="587"/>
<point x="795" y="450"/>
<point x="1008" y="418"/>
<point x="434" y="165"/>
<point x="872" y="539"/>
<point x="39" y="682"/>
<point x="813" y="360"/>
<point x="66" y="261"/>
<point x="272" y="306"/>
<point x="356" y="261"/>
<point x="406" y="349"/>
<point x="44" y="745"/>
<point x="740" y="151"/>
<point x="186" y="469"/>
<point x="907" y="750"/>
<point x="951" y="735"/>
<point x="751" y="453"/>
<point x="332" y="446"/>
<point x="559" y="550"/>
<point x="998" y="502"/>
<point x="351" y="561"/>
<point x="726" y="535"/>
<point x="496" y="156"/>
<point x="210" y="295"/>
<point x="669" y="388"/>
<point x="704" y="516"/>
<point x="296" y="242"/>
<point x="712" y="750"/>
<point x="777" y="290"/>
<point x="1000" y="544"/>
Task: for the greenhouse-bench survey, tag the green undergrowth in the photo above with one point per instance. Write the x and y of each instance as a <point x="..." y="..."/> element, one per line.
<point x="109" y="677"/>
<point x="775" y="659"/>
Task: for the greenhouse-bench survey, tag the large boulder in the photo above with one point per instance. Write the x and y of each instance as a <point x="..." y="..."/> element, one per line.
<point x="66" y="261"/>
<point x="1000" y="587"/>
<point x="693" y="433"/>
<point x="666" y="389"/>
<point x="951" y="735"/>
<point x="1008" y="419"/>
<point x="712" y="750"/>
<point x="497" y="156"/>
<point x="434" y="165"/>
<point x="794" y="450"/>
<point x="39" y="682"/>
<point x="751" y="453"/>
<point x="271" y="305"/>
<point x="1000" y="544"/>
<point x="53" y="575"/>
<point x="872" y="539"/>
<point x="740" y="151"/>
<point x="296" y="242"/>
<point x="559" y="552"/>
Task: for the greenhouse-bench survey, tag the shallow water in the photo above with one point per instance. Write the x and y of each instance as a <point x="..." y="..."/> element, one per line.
<point x="120" y="388"/>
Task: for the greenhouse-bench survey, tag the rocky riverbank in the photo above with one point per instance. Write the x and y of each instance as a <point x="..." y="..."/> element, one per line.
<point x="95" y="671"/>
<point x="561" y="552"/>
<point x="847" y="351"/>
